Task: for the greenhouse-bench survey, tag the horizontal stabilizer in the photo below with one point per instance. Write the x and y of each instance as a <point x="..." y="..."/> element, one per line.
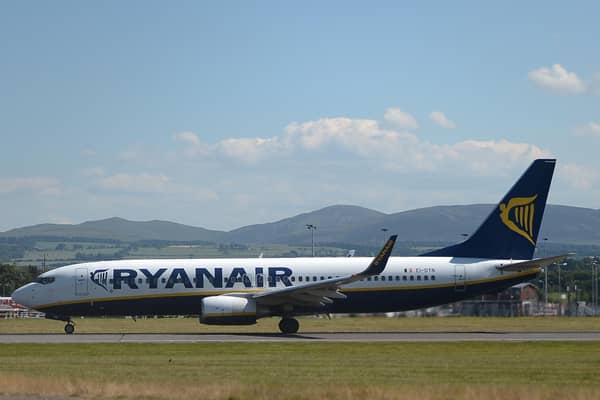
<point x="536" y="263"/>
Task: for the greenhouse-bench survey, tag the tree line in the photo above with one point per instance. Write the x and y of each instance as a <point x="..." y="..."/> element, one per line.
<point x="12" y="277"/>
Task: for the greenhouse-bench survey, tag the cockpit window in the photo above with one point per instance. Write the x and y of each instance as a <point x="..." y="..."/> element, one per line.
<point x="45" y="280"/>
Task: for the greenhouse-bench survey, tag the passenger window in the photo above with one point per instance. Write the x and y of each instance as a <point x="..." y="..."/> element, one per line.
<point x="426" y="277"/>
<point x="164" y="280"/>
<point x="376" y="278"/>
<point x="299" y="279"/>
<point x="433" y="277"/>
<point x="314" y="278"/>
<point x="404" y="277"/>
<point x="412" y="277"/>
<point x="139" y="280"/>
<point x="369" y="279"/>
<point x="418" y="277"/>
<point x="322" y="278"/>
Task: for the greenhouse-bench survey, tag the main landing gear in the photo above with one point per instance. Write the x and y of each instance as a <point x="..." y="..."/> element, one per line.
<point x="69" y="328"/>
<point x="288" y="325"/>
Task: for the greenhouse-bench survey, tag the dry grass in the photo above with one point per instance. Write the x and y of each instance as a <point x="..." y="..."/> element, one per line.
<point x="11" y="384"/>
<point x="308" y="325"/>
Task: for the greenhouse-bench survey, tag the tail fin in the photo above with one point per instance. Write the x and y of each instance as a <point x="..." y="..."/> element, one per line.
<point x="511" y="229"/>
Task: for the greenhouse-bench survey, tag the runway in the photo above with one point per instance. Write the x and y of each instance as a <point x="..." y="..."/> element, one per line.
<point x="587" y="336"/>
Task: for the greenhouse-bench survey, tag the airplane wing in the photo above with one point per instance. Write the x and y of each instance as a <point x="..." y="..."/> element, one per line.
<point x="322" y="292"/>
<point x="536" y="263"/>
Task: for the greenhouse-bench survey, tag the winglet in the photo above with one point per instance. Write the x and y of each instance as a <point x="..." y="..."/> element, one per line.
<point x="379" y="262"/>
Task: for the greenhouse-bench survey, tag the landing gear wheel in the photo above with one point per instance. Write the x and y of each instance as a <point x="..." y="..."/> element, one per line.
<point x="289" y="325"/>
<point x="69" y="328"/>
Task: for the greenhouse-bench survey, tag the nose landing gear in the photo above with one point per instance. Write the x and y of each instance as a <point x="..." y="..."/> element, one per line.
<point x="69" y="327"/>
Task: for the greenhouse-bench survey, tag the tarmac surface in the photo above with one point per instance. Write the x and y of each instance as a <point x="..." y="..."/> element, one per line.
<point x="587" y="336"/>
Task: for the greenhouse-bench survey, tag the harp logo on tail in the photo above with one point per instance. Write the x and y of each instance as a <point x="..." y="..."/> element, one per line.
<point x="518" y="214"/>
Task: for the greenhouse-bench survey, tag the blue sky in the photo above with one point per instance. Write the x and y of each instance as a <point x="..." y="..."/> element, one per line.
<point x="229" y="113"/>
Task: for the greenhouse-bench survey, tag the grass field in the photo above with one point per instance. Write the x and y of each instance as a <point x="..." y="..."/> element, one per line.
<point x="63" y="253"/>
<point x="424" y="371"/>
<point x="309" y="324"/>
<point x="305" y="371"/>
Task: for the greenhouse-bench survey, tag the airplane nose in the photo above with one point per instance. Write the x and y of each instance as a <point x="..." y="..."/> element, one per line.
<point x="23" y="295"/>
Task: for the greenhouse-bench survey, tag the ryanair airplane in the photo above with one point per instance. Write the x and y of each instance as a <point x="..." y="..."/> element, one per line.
<point x="240" y="291"/>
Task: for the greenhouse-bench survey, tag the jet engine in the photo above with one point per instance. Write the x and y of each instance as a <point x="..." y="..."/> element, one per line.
<point x="228" y="310"/>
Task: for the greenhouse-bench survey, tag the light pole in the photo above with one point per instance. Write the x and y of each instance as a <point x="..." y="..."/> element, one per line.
<point x="312" y="228"/>
<point x="594" y="285"/>
<point x="545" y="277"/>
<point x="384" y="230"/>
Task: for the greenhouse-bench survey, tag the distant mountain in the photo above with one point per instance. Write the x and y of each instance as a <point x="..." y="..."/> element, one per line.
<point x="341" y="224"/>
<point x="561" y="224"/>
<point x="120" y="229"/>
<point x="332" y="224"/>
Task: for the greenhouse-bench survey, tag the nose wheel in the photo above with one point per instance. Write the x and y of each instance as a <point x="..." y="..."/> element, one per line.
<point x="69" y="328"/>
<point x="288" y="325"/>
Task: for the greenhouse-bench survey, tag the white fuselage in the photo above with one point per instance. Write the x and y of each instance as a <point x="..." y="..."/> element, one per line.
<point x="150" y="287"/>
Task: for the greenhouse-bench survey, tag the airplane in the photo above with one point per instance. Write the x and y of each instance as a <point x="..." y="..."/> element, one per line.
<point x="241" y="291"/>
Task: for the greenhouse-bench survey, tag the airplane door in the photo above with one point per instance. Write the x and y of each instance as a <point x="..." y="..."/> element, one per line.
<point x="81" y="282"/>
<point x="459" y="278"/>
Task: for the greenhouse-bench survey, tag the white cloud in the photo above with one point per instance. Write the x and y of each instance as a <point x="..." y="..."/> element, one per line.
<point x="249" y="150"/>
<point x="580" y="177"/>
<point x="135" y="183"/>
<point x="490" y="157"/>
<point x="440" y="118"/>
<point x="359" y="136"/>
<point x="590" y="129"/>
<point x="557" y="78"/>
<point x="36" y="185"/>
<point x="188" y="137"/>
<point x="364" y="139"/>
<point x="400" y="118"/>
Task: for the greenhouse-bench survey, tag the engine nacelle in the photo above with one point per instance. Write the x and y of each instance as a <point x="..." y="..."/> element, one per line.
<point x="228" y="310"/>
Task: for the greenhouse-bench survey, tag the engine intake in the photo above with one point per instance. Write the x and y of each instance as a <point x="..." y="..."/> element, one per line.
<point x="228" y="310"/>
